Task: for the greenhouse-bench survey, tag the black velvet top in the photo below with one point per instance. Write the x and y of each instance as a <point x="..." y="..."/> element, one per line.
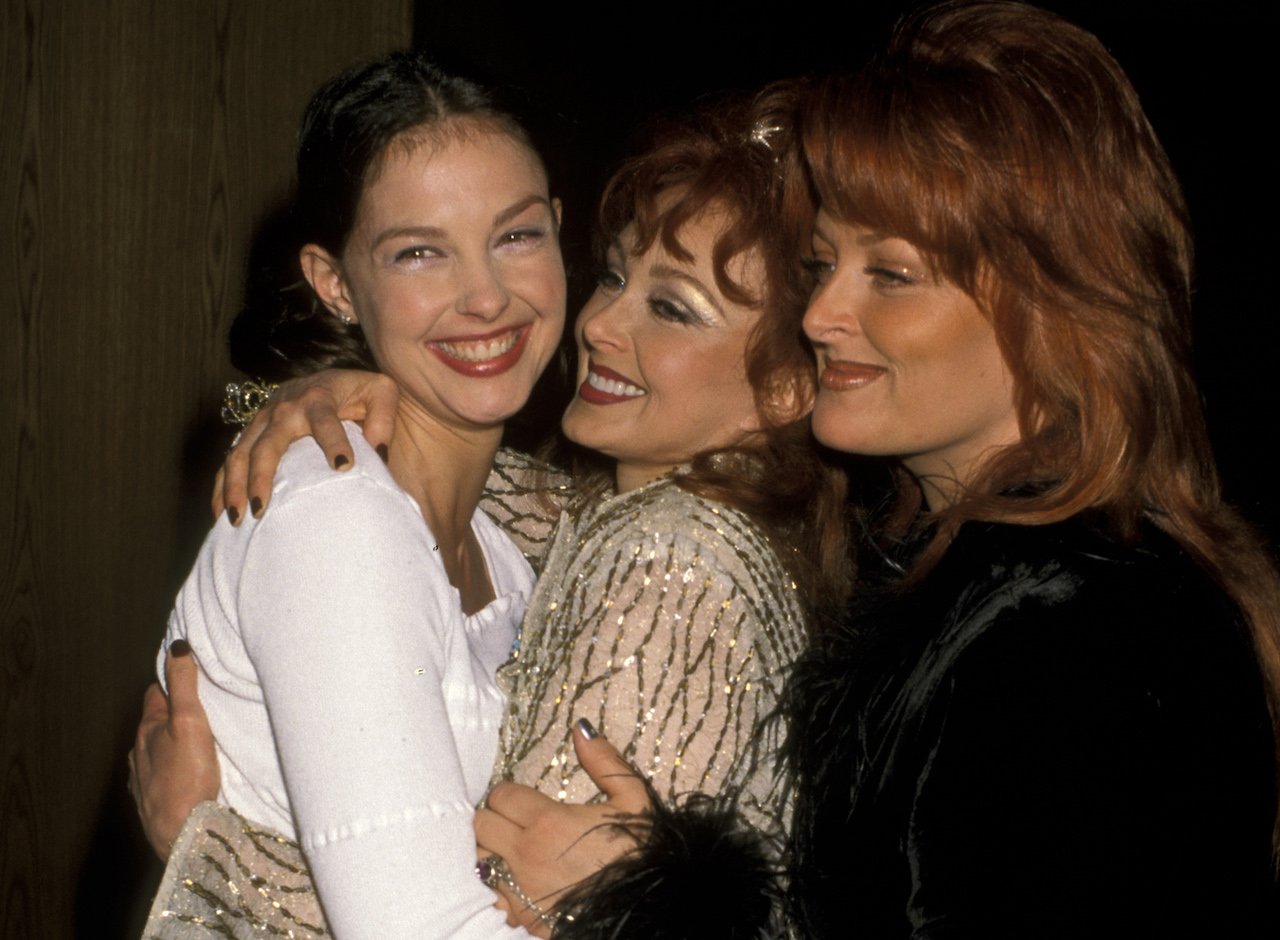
<point x="1053" y="735"/>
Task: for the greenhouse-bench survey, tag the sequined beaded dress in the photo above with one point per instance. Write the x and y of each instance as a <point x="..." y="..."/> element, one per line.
<point x="667" y="621"/>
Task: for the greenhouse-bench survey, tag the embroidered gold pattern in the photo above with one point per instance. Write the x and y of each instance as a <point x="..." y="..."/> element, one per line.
<point x="525" y="497"/>
<point x="667" y="621"/>
<point x="235" y="880"/>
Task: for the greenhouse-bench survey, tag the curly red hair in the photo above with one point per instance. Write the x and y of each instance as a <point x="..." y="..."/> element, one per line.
<point x="738" y="160"/>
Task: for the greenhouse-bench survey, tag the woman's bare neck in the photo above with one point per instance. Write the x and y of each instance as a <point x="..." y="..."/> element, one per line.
<point x="444" y="469"/>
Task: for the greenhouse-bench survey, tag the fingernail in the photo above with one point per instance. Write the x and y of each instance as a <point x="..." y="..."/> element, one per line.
<point x="340" y="461"/>
<point x="233" y="514"/>
<point x="179" y="648"/>
<point x="586" y="729"/>
<point x="255" y="507"/>
<point x="382" y="452"/>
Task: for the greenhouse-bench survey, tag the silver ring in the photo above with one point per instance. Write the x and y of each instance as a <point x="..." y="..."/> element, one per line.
<point x="490" y="871"/>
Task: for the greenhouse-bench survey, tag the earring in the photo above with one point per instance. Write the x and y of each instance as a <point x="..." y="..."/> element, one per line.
<point x="346" y="320"/>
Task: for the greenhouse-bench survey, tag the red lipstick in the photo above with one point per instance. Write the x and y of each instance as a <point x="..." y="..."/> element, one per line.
<point x="843" y="375"/>
<point x="454" y="352"/>
<point x="603" y="386"/>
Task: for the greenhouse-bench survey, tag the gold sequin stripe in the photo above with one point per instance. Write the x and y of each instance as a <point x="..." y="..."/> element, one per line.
<point x="237" y="909"/>
<point x="686" y="727"/>
<point x="259" y="882"/>
<point x="231" y="913"/>
<point x="525" y="498"/>
<point x="691" y="603"/>
<point x="612" y="617"/>
<point x="554" y="635"/>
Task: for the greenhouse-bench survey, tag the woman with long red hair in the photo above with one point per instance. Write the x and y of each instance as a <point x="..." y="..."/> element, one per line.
<point x="1052" y="719"/>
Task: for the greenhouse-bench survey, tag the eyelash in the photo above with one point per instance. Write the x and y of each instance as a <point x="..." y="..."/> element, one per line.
<point x="888" y="278"/>
<point x="671" y="313"/>
<point x="611" y="280"/>
<point x="884" y="277"/>
<point x="665" y="310"/>
<point x="415" y="253"/>
<point x="818" y="270"/>
<point x="521" y="236"/>
<point x="518" y="237"/>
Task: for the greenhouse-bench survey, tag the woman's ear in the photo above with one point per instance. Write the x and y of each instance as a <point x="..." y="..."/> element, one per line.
<point x="557" y="209"/>
<point x="324" y="274"/>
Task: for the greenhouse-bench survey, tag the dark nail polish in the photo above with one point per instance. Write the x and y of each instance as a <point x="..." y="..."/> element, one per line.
<point x="586" y="729"/>
<point x="233" y="514"/>
<point x="382" y="452"/>
<point x="179" y="648"/>
<point x="340" y="461"/>
<point x="255" y="507"/>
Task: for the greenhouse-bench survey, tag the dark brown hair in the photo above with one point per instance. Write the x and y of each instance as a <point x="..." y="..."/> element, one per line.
<point x="738" y="158"/>
<point x="1009" y="147"/>
<point x="284" y="330"/>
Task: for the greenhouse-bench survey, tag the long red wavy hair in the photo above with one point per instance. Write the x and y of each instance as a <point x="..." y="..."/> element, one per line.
<point x="1010" y="148"/>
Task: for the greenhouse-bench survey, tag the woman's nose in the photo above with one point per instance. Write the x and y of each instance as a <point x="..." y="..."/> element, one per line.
<point x="599" y="323"/>
<point x="826" y="314"/>
<point x="481" y="292"/>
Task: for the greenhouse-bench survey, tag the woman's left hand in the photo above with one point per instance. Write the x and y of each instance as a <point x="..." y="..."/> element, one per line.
<point x="173" y="764"/>
<point x="548" y="846"/>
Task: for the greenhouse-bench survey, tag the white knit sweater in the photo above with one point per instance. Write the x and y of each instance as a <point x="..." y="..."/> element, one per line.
<point x="353" y="703"/>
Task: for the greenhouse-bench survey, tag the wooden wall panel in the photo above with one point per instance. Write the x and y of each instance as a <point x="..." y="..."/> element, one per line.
<point x="140" y="143"/>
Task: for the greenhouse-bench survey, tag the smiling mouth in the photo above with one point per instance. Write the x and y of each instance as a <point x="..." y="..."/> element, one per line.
<point x="843" y="375"/>
<point x="605" y="387"/>
<point x="482" y="356"/>
<point x="479" y="350"/>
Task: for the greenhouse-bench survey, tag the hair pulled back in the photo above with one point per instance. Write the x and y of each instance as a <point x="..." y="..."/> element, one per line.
<point x="284" y="331"/>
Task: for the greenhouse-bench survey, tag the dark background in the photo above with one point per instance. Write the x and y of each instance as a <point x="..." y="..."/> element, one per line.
<point x="140" y="146"/>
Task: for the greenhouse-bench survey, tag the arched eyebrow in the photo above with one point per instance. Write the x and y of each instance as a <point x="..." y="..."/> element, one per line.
<point x="872" y="238"/>
<point x="509" y="213"/>
<point x="415" y="231"/>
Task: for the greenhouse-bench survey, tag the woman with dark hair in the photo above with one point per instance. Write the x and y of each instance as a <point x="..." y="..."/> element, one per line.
<point x="360" y="625"/>
<point x="673" y="571"/>
<point x="1051" y="719"/>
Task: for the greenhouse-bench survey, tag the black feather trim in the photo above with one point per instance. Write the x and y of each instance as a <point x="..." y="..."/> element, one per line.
<point x="699" y="872"/>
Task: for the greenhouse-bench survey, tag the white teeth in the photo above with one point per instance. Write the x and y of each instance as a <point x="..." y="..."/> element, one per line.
<point x="612" y="387"/>
<point x="481" y="351"/>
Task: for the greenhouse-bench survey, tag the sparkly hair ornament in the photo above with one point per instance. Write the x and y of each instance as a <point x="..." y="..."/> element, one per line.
<point x="763" y="132"/>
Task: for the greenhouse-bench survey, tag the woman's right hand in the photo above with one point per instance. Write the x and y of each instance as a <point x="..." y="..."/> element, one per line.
<point x="314" y="406"/>
<point x="173" y="764"/>
<point x="549" y="846"/>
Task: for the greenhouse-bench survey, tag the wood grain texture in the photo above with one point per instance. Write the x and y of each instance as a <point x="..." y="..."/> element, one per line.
<point x="21" y="297"/>
<point x="141" y="144"/>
